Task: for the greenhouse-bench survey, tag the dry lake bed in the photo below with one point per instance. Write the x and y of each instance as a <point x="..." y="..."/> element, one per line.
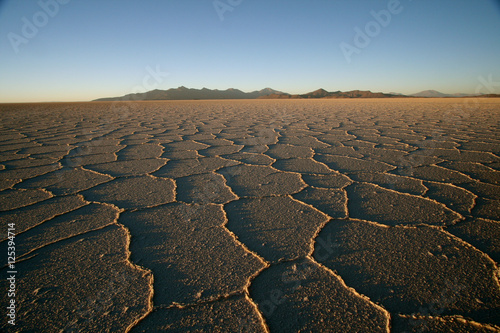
<point x="363" y="215"/>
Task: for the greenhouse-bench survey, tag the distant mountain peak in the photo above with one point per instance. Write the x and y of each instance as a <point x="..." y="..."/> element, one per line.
<point x="317" y="93"/>
<point x="430" y="93"/>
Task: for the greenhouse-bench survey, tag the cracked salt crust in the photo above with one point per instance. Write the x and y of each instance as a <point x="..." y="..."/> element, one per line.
<point x="233" y="215"/>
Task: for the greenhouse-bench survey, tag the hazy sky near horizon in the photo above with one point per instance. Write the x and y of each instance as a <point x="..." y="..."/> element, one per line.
<point x="69" y="50"/>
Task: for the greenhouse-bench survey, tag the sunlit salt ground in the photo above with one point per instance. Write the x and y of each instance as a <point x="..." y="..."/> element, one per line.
<point x="253" y="216"/>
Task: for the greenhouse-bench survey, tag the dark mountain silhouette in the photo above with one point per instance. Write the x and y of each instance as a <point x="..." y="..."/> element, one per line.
<point x="489" y="95"/>
<point x="322" y="93"/>
<point x="183" y="93"/>
<point x="429" y="93"/>
<point x="361" y="94"/>
<point x="435" y="93"/>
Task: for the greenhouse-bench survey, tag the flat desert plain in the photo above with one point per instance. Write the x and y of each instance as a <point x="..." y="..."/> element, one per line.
<point x="362" y="215"/>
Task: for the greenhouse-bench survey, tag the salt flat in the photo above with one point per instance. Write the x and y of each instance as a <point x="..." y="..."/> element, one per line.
<point x="363" y="215"/>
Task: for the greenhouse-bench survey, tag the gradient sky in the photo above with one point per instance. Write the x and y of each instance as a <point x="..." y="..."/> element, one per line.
<point x="91" y="49"/>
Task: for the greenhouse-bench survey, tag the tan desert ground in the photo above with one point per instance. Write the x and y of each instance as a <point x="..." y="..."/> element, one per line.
<point x="351" y="215"/>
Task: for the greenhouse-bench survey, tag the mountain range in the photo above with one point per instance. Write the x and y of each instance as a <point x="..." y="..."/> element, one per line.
<point x="183" y="93"/>
<point x="322" y="93"/>
<point x="434" y="93"/>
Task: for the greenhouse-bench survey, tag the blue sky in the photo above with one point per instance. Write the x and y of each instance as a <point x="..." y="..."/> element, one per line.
<point x="83" y="50"/>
